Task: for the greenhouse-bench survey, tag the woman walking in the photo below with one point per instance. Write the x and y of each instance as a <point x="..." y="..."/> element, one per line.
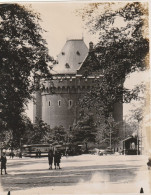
<point x="57" y="157"/>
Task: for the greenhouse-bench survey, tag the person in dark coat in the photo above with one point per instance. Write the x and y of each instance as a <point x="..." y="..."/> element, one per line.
<point x="37" y="153"/>
<point x="57" y="157"/>
<point x="50" y="158"/>
<point x="3" y="163"/>
<point x="149" y="163"/>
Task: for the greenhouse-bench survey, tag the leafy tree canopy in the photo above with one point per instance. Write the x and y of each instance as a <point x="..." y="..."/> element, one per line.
<point x="23" y="55"/>
<point x="85" y="130"/>
<point x="122" y="48"/>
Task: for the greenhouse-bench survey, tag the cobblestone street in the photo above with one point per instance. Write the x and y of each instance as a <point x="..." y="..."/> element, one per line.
<point x="79" y="174"/>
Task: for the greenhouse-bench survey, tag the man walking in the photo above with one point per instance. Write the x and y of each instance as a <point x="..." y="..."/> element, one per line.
<point x="50" y="158"/>
<point x="3" y="163"/>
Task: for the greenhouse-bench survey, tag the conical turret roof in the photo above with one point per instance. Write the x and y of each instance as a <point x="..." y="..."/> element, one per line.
<point x="71" y="57"/>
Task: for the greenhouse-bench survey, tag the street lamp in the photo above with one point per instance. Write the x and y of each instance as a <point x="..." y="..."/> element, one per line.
<point x="124" y="133"/>
<point x="110" y="121"/>
<point x="138" y="140"/>
<point x="21" y="144"/>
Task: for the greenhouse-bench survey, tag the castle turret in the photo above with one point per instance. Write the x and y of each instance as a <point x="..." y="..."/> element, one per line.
<point x="57" y="103"/>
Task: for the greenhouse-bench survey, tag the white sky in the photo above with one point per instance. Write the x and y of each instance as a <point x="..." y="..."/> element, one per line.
<point x="61" y="23"/>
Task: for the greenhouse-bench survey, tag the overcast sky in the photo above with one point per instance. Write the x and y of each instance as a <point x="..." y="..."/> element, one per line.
<point x="61" y="23"/>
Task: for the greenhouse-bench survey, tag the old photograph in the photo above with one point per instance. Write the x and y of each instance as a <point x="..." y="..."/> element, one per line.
<point x="75" y="98"/>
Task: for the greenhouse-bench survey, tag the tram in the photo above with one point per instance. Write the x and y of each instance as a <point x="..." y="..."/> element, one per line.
<point x="31" y="150"/>
<point x="65" y="149"/>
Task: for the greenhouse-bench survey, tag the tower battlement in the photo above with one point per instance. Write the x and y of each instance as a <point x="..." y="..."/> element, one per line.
<point x="68" y="84"/>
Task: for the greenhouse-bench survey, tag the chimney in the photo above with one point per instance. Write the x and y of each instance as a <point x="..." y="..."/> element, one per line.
<point x="90" y="46"/>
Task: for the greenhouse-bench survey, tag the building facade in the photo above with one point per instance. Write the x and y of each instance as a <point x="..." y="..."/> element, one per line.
<point x="57" y="101"/>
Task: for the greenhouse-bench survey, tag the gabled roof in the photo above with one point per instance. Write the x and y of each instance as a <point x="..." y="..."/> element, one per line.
<point x="90" y="65"/>
<point x="71" y="57"/>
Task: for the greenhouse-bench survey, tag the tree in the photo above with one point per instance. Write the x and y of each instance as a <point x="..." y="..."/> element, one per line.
<point x="84" y="131"/>
<point x="108" y="133"/>
<point x="23" y="56"/>
<point x="56" y="135"/>
<point x="121" y="50"/>
<point x="37" y="133"/>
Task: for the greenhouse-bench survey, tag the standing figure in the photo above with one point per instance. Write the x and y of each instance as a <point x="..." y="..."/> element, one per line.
<point x="3" y="163"/>
<point x="50" y="158"/>
<point x="13" y="154"/>
<point x="57" y="157"/>
<point x="20" y="154"/>
<point x="39" y="153"/>
<point x="149" y="163"/>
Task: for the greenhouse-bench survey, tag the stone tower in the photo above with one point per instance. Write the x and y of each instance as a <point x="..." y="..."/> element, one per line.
<point x="56" y="103"/>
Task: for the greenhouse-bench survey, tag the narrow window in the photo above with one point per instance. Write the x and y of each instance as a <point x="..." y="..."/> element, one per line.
<point x="59" y="103"/>
<point x="70" y="103"/>
<point x="49" y="103"/>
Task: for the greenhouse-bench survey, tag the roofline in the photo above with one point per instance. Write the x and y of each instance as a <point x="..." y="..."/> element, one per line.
<point x="74" y="39"/>
<point x="83" y="62"/>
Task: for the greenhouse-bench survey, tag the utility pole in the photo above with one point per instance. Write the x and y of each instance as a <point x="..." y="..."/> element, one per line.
<point x="110" y="138"/>
<point x="137" y="142"/>
<point x="21" y="144"/>
<point x="124" y="133"/>
<point x="110" y="120"/>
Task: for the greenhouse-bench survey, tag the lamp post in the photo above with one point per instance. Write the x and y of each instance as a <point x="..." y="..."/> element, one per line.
<point x="1" y="143"/>
<point x="110" y="121"/>
<point x="138" y="140"/>
<point x="124" y="133"/>
<point x="110" y="138"/>
<point x="21" y="144"/>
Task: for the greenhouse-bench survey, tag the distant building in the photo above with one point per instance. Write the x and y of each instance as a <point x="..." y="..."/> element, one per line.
<point x="56" y="103"/>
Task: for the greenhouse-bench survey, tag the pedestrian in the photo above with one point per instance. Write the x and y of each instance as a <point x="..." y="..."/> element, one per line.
<point x="20" y="154"/>
<point x="57" y="158"/>
<point x="149" y="163"/>
<point x="39" y="153"/>
<point x="3" y="163"/>
<point x="50" y="158"/>
<point x="13" y="154"/>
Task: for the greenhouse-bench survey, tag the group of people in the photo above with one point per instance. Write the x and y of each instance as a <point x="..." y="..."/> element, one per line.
<point x="11" y="154"/>
<point x="54" y="156"/>
<point x="3" y="163"/>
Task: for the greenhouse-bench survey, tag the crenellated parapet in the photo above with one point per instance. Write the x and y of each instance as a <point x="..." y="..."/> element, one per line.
<point x="68" y="84"/>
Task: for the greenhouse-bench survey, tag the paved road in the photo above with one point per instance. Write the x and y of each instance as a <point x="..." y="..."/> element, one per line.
<point x="79" y="174"/>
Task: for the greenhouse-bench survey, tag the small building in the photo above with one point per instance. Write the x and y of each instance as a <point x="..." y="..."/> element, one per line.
<point x="131" y="146"/>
